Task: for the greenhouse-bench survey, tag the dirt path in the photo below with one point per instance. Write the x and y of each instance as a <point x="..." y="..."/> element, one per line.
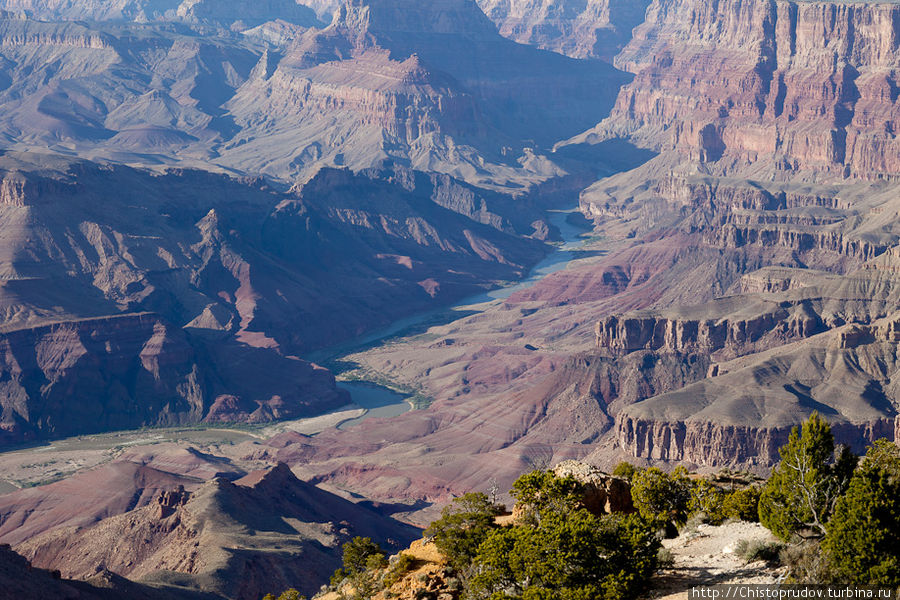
<point x="707" y="556"/>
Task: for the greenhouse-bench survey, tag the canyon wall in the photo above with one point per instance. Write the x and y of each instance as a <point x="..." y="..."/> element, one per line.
<point x="577" y="28"/>
<point x="710" y="444"/>
<point x="136" y="370"/>
<point x="744" y="410"/>
<point x="801" y="86"/>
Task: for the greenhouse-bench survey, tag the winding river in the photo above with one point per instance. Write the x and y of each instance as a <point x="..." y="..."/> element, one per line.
<point x="380" y="401"/>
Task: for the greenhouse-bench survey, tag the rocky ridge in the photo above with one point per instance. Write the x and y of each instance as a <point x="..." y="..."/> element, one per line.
<point x="265" y="531"/>
<point x="161" y="294"/>
<point x="267" y="88"/>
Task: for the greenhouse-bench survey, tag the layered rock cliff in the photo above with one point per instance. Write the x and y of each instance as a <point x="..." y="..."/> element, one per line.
<point x="135" y="370"/>
<point x="786" y="85"/>
<point x="432" y="83"/>
<point x="580" y="29"/>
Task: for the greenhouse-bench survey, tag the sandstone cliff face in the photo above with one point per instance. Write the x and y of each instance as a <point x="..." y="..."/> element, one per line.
<point x="744" y="410"/>
<point x="799" y="85"/>
<point x="771" y="327"/>
<point x="580" y="29"/>
<point x="715" y="444"/>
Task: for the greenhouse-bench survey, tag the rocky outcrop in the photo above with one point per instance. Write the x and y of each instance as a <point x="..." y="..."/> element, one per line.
<point x="585" y="29"/>
<point x="604" y="493"/>
<point x="716" y="444"/>
<point x="742" y="82"/>
<point x="774" y="323"/>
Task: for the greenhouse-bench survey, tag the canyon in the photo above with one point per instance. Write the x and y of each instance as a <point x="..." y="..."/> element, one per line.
<point x="211" y="210"/>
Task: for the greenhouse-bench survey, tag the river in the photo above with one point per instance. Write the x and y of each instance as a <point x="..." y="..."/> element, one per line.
<point x="380" y="401"/>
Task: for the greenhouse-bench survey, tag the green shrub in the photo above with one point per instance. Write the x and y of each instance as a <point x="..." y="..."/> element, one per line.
<point x="463" y="526"/>
<point x="803" y="488"/>
<point x="742" y="504"/>
<point x="659" y="496"/>
<point x="540" y="491"/>
<point x="625" y="470"/>
<point x="567" y="556"/>
<point x="290" y="594"/>
<point x="707" y="500"/>
<point x="358" y="552"/>
<point x="361" y="557"/>
<point x="665" y="559"/>
<point x="861" y="545"/>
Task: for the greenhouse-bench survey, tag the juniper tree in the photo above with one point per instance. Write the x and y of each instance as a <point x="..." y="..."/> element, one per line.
<point x="801" y="494"/>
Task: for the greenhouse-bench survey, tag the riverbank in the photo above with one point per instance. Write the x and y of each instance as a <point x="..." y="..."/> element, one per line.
<point x="362" y="382"/>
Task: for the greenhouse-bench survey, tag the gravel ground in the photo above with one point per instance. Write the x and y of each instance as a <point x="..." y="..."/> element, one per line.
<point x="706" y="556"/>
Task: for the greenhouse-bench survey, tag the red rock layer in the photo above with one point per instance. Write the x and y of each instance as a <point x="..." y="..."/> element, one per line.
<point x="803" y="85"/>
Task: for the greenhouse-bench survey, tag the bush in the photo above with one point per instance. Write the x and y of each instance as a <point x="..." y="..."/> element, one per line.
<point x="861" y="545"/>
<point x="361" y="557"/>
<point x="665" y="559"/>
<point x="463" y="526"/>
<point x="742" y="504"/>
<point x="805" y="562"/>
<point x="752" y="551"/>
<point x="625" y="470"/>
<point x="659" y="496"/>
<point x="709" y="501"/>
<point x="801" y="493"/>
<point x="290" y="594"/>
<point x="567" y="556"/>
<point x="540" y="491"/>
<point x="357" y="553"/>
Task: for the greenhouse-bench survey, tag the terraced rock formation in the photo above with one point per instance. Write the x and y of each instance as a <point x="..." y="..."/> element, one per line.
<point x="783" y="86"/>
<point x="580" y="29"/>
<point x="132" y="299"/>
